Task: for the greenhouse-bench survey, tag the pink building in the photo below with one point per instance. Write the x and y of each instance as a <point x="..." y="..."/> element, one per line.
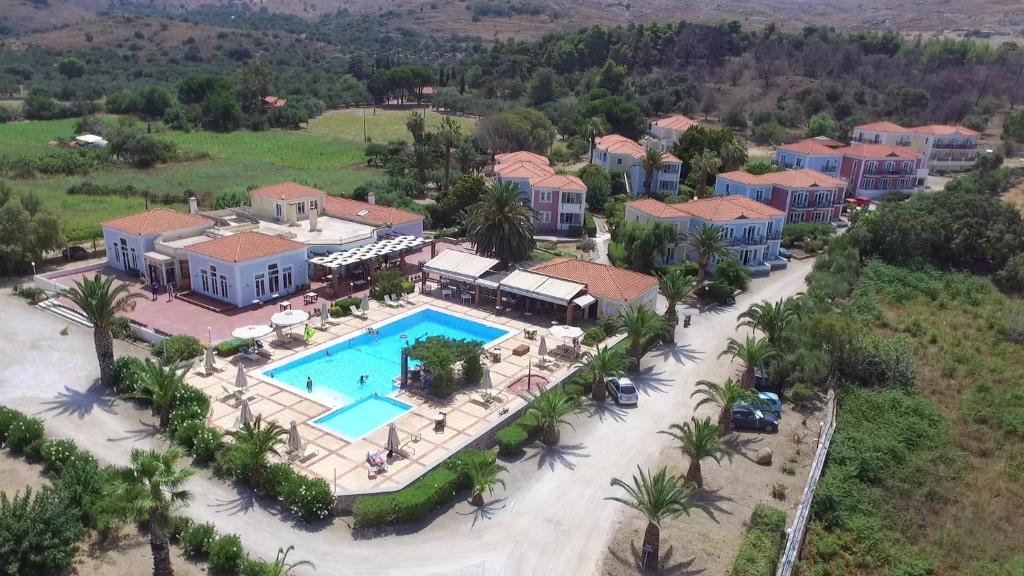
<point x="560" y="200"/>
<point x="872" y="170"/>
<point x="804" y="195"/>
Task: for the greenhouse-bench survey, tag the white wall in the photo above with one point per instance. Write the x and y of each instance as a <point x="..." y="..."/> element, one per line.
<point x="241" y="276"/>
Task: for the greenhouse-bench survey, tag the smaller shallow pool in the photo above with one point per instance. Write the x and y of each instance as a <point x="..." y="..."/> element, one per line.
<point x="360" y="418"/>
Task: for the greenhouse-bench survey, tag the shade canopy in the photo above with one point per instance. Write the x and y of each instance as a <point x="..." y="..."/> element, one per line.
<point x="324" y="314"/>
<point x="251" y="332"/>
<point x="584" y="300"/>
<point x="563" y="331"/>
<point x="459" y="265"/>
<point x="540" y="287"/>
<point x="289" y="317"/>
<point x="485" y="381"/>
<point x="381" y="248"/>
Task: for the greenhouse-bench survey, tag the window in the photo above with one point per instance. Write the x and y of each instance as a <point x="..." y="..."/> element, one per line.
<point x="206" y="280"/>
<point x="568" y="218"/>
<point x="667" y="185"/>
<point x="869" y="183"/>
<point x="800" y="200"/>
<point x="278" y="210"/>
<point x="275" y="278"/>
<point x="223" y="286"/>
<point x="300" y="208"/>
<point x="727" y="189"/>
<point x="618" y="161"/>
<point x="890" y="167"/>
<point x="314" y="205"/>
<point x="545" y="196"/>
<point x="759" y="195"/>
<point x="908" y="167"/>
<point x="799" y="162"/>
<point x="261" y="285"/>
<point x="286" y="278"/>
<point x="871" y="167"/>
<point x="545" y="217"/>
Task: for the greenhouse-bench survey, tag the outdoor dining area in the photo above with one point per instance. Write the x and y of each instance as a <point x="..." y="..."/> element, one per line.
<point x="353" y="269"/>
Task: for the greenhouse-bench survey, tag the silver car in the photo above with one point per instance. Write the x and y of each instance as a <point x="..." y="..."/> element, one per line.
<point x="622" y="390"/>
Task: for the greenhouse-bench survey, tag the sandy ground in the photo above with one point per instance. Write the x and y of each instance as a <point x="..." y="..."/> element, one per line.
<point x="16" y="475"/>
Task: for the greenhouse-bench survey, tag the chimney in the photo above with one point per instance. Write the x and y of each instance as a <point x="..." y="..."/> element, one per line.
<point x="371" y="199"/>
<point x="193" y="204"/>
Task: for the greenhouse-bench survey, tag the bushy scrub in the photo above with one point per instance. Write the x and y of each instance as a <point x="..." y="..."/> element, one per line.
<point x="230" y="347"/>
<point x="226" y="555"/>
<point x="594" y="336"/>
<point x="310" y="499"/>
<point x="175" y="349"/>
<point x="472" y="369"/>
<point x="22" y="432"/>
<point x="198" y="539"/>
<point x="801" y="393"/>
<point x="511" y="439"/>
<point x="732" y="274"/>
<point x="276" y="478"/>
<point x="126" y="374"/>
<point x="38" y="532"/>
<point x="762" y="543"/>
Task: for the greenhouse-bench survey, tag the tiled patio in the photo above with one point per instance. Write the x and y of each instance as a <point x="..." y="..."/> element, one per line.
<point x="343" y="463"/>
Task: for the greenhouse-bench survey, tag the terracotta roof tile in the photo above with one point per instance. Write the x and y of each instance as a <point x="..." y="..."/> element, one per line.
<point x="802" y="178"/>
<point x="523" y="169"/>
<point x="677" y="122"/>
<point x="245" y="246"/>
<point x="521" y="156"/>
<point x="560" y="182"/>
<point x="602" y="280"/>
<point x="656" y="208"/>
<point x="943" y="130"/>
<point x="354" y="210"/>
<point x="728" y="208"/>
<point x="286" y="191"/>
<point x="878" y="151"/>
<point x="157" y="221"/>
<point x="743" y="178"/>
<point x="883" y="126"/>
<point x="809" y="146"/>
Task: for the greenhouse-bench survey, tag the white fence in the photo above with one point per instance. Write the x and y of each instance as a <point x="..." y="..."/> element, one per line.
<point x="791" y="553"/>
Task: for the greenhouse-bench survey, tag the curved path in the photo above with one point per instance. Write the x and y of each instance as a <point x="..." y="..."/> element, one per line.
<point x="552" y="519"/>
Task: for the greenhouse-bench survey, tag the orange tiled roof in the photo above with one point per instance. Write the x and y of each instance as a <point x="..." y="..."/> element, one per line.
<point x="878" y="151"/>
<point x="809" y="146"/>
<point x="743" y="177"/>
<point x="618" y="144"/>
<point x="376" y="214"/>
<point x="883" y="126"/>
<point x="943" y="130"/>
<point x="677" y="122"/>
<point x="523" y="169"/>
<point x="156" y="221"/>
<point x="802" y="178"/>
<point x="656" y="208"/>
<point x="728" y="208"/>
<point x="602" y="280"/>
<point x="245" y="246"/>
<point x="560" y="182"/>
<point x="521" y="156"/>
<point x="286" y="191"/>
<point x="275" y="101"/>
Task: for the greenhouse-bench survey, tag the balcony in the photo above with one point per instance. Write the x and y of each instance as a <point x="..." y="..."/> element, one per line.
<point x="571" y="208"/>
<point x="748" y="241"/>
<point x="889" y="173"/>
<point x="823" y="203"/>
<point x="774" y="236"/>
<point x="957" y="146"/>
<point x="800" y="205"/>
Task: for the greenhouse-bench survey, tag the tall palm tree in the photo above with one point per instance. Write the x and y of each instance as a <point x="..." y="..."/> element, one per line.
<point x="698" y="440"/>
<point x="592" y="128"/>
<point x="281" y="567"/>
<point x="149" y="489"/>
<point x="653" y="161"/>
<point x="642" y="326"/>
<point x="484" y="476"/>
<point x="501" y="224"/>
<point x="550" y="408"/>
<point x="449" y="135"/>
<point x="101" y="302"/>
<point x="754" y="353"/>
<point x="254" y="442"/>
<point x="658" y="497"/>
<point x="416" y="125"/>
<point x="603" y="362"/>
<point x="675" y="286"/>
<point x="705" y="164"/>
<point x="733" y="153"/>
<point x="708" y="242"/>
<point x="723" y="396"/>
<point x="158" y="385"/>
<point x="771" y="318"/>
<point x="645" y="243"/>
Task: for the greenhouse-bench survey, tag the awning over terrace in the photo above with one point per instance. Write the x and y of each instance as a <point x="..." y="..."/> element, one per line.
<point x="540" y="287"/>
<point x="382" y="248"/>
<point x="459" y="265"/>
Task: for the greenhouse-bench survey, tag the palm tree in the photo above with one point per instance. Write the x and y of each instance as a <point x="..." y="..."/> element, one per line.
<point x="550" y="408"/>
<point x="723" y="396"/>
<point x="653" y="161"/>
<point x="592" y="128"/>
<point x="658" y="497"/>
<point x="483" y="474"/>
<point x="281" y="567"/>
<point x="754" y="353"/>
<point x="733" y="153"/>
<point x="149" y="490"/>
<point x="501" y="224"/>
<point x="676" y="286"/>
<point x="158" y="385"/>
<point x="449" y="134"/>
<point x="705" y="164"/>
<point x="603" y="362"/>
<point x="645" y="243"/>
<point x="708" y="242"/>
<point x="417" y="126"/>
<point x="698" y="440"/>
<point x="254" y="443"/>
<point x="771" y="318"/>
<point x="101" y="303"/>
<point x="642" y="326"/>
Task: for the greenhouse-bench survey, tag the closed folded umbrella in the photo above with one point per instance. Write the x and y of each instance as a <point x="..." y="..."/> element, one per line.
<point x="365" y="304"/>
<point x="241" y="381"/>
<point x="294" y="440"/>
<point x="210" y="364"/>
<point x="542" y="348"/>
<point x="485" y="381"/>
<point x="393" y="443"/>
<point x="323" y="315"/>
<point x="245" y="415"/>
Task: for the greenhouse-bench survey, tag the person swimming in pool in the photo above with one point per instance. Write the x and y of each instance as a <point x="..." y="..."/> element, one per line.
<point x="362" y="379"/>
<point x="309" y="384"/>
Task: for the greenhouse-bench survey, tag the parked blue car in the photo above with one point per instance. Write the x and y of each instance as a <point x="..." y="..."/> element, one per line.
<point x="767" y="402"/>
<point x="751" y="418"/>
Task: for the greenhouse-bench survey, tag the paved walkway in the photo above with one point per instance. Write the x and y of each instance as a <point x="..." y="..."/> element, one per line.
<point x="552" y="519"/>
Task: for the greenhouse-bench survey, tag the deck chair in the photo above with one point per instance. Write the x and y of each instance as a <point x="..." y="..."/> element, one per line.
<point x="303" y="454"/>
<point x="357" y="312"/>
<point x="249" y="354"/>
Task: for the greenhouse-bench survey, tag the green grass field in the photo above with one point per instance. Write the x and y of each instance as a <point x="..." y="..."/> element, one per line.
<point x="381" y="126"/>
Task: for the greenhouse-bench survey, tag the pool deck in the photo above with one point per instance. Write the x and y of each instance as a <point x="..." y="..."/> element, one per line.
<point x="343" y="463"/>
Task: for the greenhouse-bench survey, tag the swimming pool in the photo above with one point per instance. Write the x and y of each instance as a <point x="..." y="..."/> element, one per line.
<point x="359" y="419"/>
<point x="336" y="367"/>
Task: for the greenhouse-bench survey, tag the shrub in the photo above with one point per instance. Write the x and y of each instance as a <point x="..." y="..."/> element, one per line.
<point x="275" y="478"/>
<point x="310" y="499"/>
<point x="732" y="274"/>
<point x="230" y="347"/>
<point x="335" y="312"/>
<point x="511" y="439"/>
<point x="779" y="491"/>
<point x="56" y="454"/>
<point x="175" y="349"/>
<point x="472" y="369"/>
<point x="30" y="293"/>
<point x="574" y="389"/>
<point x="38" y="535"/>
<point x="198" y="540"/>
<point x="801" y="393"/>
<point x="257" y="567"/>
<point x="126" y="374"/>
<point x="121" y="328"/>
<point x="442" y="382"/>
<point x="762" y="543"/>
<point x="23" y="432"/>
<point x="199" y="440"/>
<point x="374" y="511"/>
<point x="594" y="336"/>
<point x="528" y="424"/>
<point x="226" y="555"/>
<point x="346" y="302"/>
<point x="589" y="226"/>
<point x="7" y="417"/>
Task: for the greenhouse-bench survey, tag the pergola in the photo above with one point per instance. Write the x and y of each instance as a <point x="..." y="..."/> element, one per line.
<point x="544" y="288"/>
<point x="459" y="266"/>
<point x="386" y="248"/>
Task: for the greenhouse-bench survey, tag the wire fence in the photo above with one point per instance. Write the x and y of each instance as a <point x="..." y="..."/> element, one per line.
<point x="791" y="553"/>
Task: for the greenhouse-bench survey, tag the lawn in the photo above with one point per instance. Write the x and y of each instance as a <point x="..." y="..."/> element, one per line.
<point x="236" y="161"/>
<point x="381" y="126"/>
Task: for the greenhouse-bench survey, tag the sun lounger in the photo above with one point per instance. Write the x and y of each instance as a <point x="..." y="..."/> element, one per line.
<point x="358" y="313"/>
<point x="390" y="303"/>
<point x="303" y="454"/>
<point x="376" y="461"/>
<point x="396" y="299"/>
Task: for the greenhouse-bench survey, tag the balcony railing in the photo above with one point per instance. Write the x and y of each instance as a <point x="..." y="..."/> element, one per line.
<point x="889" y="172"/>
<point x="823" y="203"/>
<point x="801" y="205"/>
<point x="774" y="235"/>
<point x="749" y="241"/>
<point x="959" y="146"/>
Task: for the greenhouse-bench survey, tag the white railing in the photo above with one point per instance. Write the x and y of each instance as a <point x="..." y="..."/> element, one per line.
<point x="795" y="535"/>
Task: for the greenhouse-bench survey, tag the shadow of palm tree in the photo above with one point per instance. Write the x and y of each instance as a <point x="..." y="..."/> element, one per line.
<point x="606" y="409"/>
<point x="79" y="403"/>
<point x="665" y="566"/>
<point x="244" y="502"/>
<point x="713" y="500"/>
<point x="649" y="381"/>
<point x="485" y="512"/>
<point x="679" y="353"/>
<point x="742" y="444"/>
<point x="558" y="455"/>
<point x="148" y="430"/>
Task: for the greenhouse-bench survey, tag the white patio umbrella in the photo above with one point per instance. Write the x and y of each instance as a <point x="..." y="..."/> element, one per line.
<point x="241" y="380"/>
<point x="542" y="348"/>
<point x="294" y="440"/>
<point x="209" y="363"/>
<point x="365" y="304"/>
<point x="289" y="318"/>
<point x="251" y="332"/>
<point x="394" y="443"/>
<point x="245" y="414"/>
<point x="564" y="331"/>
<point x="324" y="313"/>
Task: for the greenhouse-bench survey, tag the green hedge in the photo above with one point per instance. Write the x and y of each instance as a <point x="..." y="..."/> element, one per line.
<point x="589" y="226"/>
<point x="594" y="336"/>
<point x="762" y="543"/>
<point x="230" y="347"/>
<point x="511" y="439"/>
<point x="174" y="349"/>
<point x="126" y="374"/>
<point x="226" y="555"/>
<point x="416" y="501"/>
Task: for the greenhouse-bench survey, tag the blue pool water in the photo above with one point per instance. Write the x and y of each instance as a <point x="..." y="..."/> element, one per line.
<point x="357" y="420"/>
<point x="335" y="370"/>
